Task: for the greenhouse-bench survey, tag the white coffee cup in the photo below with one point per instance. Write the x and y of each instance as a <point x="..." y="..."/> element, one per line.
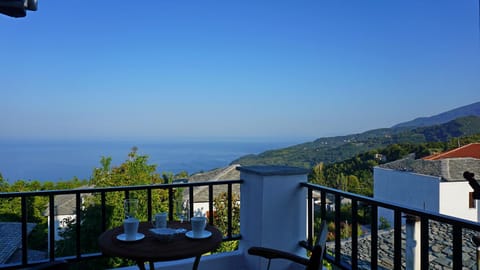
<point x="160" y="220"/>
<point x="130" y="228"/>
<point x="198" y="225"/>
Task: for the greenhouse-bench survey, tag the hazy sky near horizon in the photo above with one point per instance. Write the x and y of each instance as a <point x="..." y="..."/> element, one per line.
<point x="233" y="69"/>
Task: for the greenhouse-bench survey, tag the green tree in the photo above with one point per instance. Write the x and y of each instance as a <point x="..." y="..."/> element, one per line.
<point x="353" y="183"/>
<point x="316" y="175"/>
<point x="221" y="218"/>
<point x="384" y="224"/>
<point x="135" y="170"/>
<point x="341" y="182"/>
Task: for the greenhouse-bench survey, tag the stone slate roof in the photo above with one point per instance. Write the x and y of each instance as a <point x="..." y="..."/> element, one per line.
<point x="201" y="193"/>
<point x="11" y="238"/>
<point x="448" y="169"/>
<point x="65" y="204"/>
<point x="440" y="250"/>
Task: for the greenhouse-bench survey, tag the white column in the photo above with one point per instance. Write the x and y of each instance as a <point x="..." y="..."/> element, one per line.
<point x="477" y="205"/>
<point x="272" y="211"/>
<point x="412" y="244"/>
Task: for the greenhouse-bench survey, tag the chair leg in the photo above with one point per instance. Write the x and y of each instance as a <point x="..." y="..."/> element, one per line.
<point x="268" y="266"/>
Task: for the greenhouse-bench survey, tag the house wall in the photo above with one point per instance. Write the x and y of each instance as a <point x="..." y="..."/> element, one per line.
<point x="454" y="200"/>
<point x="405" y="188"/>
<point x="200" y="207"/>
<point x="59" y="224"/>
<point x="270" y="216"/>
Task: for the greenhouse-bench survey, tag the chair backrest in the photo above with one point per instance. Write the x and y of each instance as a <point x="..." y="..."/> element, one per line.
<point x="316" y="258"/>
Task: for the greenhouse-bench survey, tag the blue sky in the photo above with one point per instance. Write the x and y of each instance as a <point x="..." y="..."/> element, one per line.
<point x="233" y="69"/>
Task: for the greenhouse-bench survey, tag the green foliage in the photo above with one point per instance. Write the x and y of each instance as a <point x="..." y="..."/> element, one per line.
<point x="356" y="174"/>
<point x="317" y="175"/>
<point x="336" y="149"/>
<point x="134" y="171"/>
<point x="221" y="219"/>
<point x="384" y="224"/>
<point x="10" y="209"/>
<point x="345" y="230"/>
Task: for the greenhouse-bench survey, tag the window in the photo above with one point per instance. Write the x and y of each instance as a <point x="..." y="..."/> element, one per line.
<point x="471" y="200"/>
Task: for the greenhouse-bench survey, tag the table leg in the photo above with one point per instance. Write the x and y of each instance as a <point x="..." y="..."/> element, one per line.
<point x="196" y="262"/>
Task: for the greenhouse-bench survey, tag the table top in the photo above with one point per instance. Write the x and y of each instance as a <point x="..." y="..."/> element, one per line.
<point x="152" y="249"/>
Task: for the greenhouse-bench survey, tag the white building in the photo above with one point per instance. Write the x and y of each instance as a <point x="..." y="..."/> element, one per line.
<point x="64" y="212"/>
<point x="434" y="183"/>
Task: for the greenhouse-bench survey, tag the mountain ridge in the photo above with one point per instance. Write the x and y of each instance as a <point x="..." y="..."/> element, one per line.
<point x="441" y="118"/>
<point x="335" y="149"/>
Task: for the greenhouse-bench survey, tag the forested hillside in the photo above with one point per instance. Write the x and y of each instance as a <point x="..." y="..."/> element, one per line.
<point x="356" y="174"/>
<point x="335" y="149"/>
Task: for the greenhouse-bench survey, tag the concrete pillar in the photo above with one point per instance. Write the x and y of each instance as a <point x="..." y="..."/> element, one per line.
<point x="412" y="244"/>
<point x="272" y="211"/>
<point x="477" y="205"/>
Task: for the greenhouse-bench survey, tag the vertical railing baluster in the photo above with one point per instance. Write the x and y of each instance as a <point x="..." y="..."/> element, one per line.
<point x="78" y="217"/>
<point x="170" y="203"/>
<point x="424" y="245"/>
<point x="103" y="205"/>
<point x="338" y="251"/>
<point x="397" y="240"/>
<point x="229" y="210"/>
<point x="149" y="204"/>
<point x="457" y="247"/>
<point x="51" y="226"/>
<point x="374" y="239"/>
<point x="190" y="201"/>
<point x="24" y="230"/>
<point x="323" y="205"/>
<point x="210" y="204"/>
<point x="310" y="217"/>
<point x="354" y="234"/>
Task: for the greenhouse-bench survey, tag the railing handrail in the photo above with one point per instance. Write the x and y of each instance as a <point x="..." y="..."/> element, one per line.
<point x="468" y="224"/>
<point x="113" y="189"/>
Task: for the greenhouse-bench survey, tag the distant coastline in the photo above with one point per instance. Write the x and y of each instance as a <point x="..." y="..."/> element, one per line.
<point x="63" y="160"/>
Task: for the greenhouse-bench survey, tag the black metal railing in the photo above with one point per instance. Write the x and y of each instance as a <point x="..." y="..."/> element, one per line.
<point x="79" y="256"/>
<point x="460" y="232"/>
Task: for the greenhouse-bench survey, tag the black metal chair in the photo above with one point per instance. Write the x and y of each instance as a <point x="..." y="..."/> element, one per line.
<point x="312" y="263"/>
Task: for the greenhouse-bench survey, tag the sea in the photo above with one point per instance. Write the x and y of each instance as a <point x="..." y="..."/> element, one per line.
<point x="64" y="160"/>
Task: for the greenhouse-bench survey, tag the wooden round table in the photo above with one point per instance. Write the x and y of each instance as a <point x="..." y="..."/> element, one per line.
<point x="150" y="249"/>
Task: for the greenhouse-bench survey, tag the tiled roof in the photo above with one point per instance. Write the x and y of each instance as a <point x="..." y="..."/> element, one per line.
<point x="227" y="173"/>
<point x="65" y="204"/>
<point x="11" y="238"/>
<point x="448" y="169"/>
<point x="467" y="151"/>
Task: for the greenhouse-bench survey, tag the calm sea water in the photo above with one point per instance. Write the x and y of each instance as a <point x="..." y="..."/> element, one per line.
<point x="55" y="161"/>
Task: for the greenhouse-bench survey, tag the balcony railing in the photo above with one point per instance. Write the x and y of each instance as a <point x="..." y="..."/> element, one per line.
<point x="78" y="193"/>
<point x="461" y="231"/>
<point x="302" y="204"/>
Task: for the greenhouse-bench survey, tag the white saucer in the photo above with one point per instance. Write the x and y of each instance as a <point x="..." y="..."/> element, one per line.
<point x="123" y="237"/>
<point x="205" y="234"/>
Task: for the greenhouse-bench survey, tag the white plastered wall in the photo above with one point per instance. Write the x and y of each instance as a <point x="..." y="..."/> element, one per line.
<point x="405" y="188"/>
<point x="454" y="200"/>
